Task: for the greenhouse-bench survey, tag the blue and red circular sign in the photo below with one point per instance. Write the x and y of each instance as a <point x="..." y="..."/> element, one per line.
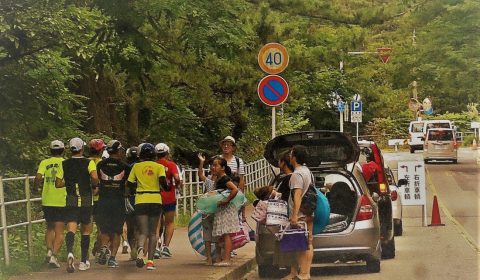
<point x="273" y="90"/>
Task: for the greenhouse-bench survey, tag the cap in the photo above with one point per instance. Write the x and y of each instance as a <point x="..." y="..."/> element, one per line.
<point x="162" y="148"/>
<point x="76" y="144"/>
<point x="97" y="145"/>
<point x="228" y="138"/>
<point x="57" y="145"/>
<point x="113" y="146"/>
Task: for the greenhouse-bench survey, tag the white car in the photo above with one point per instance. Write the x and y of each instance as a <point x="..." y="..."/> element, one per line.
<point x="396" y="201"/>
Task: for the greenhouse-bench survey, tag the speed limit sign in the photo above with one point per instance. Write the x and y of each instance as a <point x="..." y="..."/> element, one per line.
<point x="273" y="58"/>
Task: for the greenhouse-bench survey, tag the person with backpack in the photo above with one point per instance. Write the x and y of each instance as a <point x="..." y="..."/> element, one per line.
<point x="300" y="182"/>
<point x="370" y="170"/>
<point x="53" y="201"/>
<point x="79" y="176"/>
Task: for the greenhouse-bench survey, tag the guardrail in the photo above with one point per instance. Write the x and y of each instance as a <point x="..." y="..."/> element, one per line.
<point x="257" y="174"/>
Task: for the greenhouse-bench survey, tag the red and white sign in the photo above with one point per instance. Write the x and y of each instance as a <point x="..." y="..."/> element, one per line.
<point x="273" y="58"/>
<point x="384" y="54"/>
<point x="273" y="90"/>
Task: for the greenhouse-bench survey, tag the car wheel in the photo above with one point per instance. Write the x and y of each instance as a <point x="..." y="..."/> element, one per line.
<point x="373" y="265"/>
<point x="265" y="271"/>
<point x="426" y="161"/>
<point x="388" y="249"/>
<point x="412" y="150"/>
<point x="455" y="161"/>
<point x="398" y="228"/>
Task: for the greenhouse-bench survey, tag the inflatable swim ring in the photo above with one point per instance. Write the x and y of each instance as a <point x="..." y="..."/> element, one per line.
<point x="195" y="234"/>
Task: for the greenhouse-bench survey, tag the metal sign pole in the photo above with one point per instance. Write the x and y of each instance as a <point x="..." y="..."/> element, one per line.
<point x="357" y="131"/>
<point x="273" y="122"/>
<point x="341" y="121"/>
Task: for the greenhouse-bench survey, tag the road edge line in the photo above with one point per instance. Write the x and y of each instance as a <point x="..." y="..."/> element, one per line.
<point x="447" y="213"/>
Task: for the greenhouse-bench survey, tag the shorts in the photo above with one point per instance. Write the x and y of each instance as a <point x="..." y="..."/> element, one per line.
<point x="169" y="207"/>
<point x="81" y="215"/>
<point x="148" y="209"/>
<point x="94" y="210"/>
<point x="111" y="216"/>
<point x="53" y="214"/>
<point x="207" y="228"/>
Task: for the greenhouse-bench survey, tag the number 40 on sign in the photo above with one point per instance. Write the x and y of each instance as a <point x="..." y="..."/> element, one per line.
<point x="273" y="58"/>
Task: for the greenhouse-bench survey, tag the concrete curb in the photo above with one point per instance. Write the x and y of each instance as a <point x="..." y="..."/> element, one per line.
<point x="239" y="271"/>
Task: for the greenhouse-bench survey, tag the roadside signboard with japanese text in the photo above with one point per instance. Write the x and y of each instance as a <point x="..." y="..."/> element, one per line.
<point x="273" y="90"/>
<point x="273" y="58"/>
<point x="414" y="193"/>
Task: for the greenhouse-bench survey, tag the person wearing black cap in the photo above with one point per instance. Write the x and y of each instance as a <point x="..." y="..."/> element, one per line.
<point x="111" y="208"/>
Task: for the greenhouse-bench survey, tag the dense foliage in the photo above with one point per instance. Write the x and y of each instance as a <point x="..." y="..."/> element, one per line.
<point x="185" y="72"/>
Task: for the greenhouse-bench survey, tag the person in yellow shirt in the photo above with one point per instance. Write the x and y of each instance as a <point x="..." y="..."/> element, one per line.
<point x="150" y="178"/>
<point x="53" y="201"/>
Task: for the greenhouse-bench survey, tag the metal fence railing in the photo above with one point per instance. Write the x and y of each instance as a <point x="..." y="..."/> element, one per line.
<point x="28" y="211"/>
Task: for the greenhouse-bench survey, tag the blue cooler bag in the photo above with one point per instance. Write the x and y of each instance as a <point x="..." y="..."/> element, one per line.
<point x="322" y="213"/>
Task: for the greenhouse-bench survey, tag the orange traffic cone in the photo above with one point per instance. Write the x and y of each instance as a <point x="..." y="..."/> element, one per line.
<point x="436" y="221"/>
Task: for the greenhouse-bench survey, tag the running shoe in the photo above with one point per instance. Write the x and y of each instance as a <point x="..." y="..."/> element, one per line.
<point x="53" y="262"/>
<point x="157" y="254"/>
<point x="84" y="266"/>
<point x="70" y="264"/>
<point x="233" y="253"/>
<point x="150" y="265"/>
<point x="140" y="262"/>
<point x="112" y="262"/>
<point x="166" y="252"/>
<point x="104" y="255"/>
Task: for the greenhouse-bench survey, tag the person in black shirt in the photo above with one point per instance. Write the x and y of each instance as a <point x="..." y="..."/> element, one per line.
<point x="111" y="208"/>
<point x="79" y="176"/>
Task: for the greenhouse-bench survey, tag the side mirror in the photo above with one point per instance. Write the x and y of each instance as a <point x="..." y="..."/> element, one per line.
<point x="375" y="197"/>
<point x="402" y="182"/>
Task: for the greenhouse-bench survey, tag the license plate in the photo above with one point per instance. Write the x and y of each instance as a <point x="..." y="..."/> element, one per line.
<point x="440" y="147"/>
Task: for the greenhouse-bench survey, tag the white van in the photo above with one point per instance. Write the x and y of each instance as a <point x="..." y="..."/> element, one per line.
<point x="415" y="135"/>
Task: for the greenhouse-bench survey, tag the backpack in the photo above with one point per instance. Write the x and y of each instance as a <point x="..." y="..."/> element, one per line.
<point x="309" y="199"/>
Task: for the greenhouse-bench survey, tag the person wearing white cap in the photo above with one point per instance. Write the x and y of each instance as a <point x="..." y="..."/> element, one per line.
<point x="53" y="201"/>
<point x="167" y="219"/>
<point x="76" y="175"/>
<point x="236" y="164"/>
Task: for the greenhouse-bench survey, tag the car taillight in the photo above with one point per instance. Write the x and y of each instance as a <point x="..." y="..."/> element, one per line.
<point x="394" y="195"/>
<point x="383" y="187"/>
<point x="455" y="144"/>
<point x="366" y="209"/>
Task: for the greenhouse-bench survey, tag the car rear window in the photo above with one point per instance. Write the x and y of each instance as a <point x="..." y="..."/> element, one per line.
<point x="440" y="135"/>
<point x="417" y="127"/>
<point x="438" y="125"/>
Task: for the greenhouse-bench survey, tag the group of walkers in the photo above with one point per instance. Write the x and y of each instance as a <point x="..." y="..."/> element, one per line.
<point x="137" y="194"/>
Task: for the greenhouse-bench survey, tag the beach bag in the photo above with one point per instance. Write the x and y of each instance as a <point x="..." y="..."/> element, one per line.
<point x="260" y="212"/>
<point x="293" y="239"/>
<point x="322" y="213"/>
<point x="277" y="212"/>
<point x="239" y="238"/>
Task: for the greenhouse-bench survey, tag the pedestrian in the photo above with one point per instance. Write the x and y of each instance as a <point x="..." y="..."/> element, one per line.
<point x="111" y="204"/>
<point x="75" y="175"/>
<point x="150" y="178"/>
<point x="169" y="201"/>
<point x="53" y="201"/>
<point x="207" y="219"/>
<point x="370" y="170"/>
<point x="96" y="149"/>
<point x="300" y="180"/>
<point x="130" y="220"/>
<point x="226" y="218"/>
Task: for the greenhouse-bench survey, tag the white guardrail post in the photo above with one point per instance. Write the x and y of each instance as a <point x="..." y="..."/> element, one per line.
<point x="3" y="218"/>
<point x="29" y="217"/>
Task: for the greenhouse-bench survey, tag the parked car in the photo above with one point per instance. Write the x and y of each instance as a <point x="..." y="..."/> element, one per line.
<point x="352" y="236"/>
<point x="415" y="134"/>
<point x="382" y="188"/>
<point x="440" y="144"/>
<point x="396" y="201"/>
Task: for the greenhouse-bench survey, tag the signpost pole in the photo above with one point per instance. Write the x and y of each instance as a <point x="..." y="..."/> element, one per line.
<point x="341" y="121"/>
<point x="273" y="121"/>
<point x="357" y="131"/>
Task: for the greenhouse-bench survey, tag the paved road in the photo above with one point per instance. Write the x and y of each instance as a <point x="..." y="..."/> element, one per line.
<point x="449" y="252"/>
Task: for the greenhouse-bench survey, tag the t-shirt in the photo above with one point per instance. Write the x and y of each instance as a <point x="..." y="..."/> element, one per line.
<point x="369" y="171"/>
<point x="146" y="174"/>
<point x="222" y="183"/>
<point x="209" y="184"/>
<point x="112" y="175"/>
<point x="237" y="169"/>
<point x="76" y="173"/>
<point x="283" y="187"/>
<point x="96" y="159"/>
<point x="301" y="179"/>
<point x="171" y="169"/>
<point x="51" y="196"/>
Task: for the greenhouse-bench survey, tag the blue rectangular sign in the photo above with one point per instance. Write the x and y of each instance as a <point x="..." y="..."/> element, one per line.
<point x="356" y="106"/>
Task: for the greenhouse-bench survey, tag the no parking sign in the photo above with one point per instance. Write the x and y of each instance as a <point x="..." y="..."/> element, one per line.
<point x="273" y="90"/>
